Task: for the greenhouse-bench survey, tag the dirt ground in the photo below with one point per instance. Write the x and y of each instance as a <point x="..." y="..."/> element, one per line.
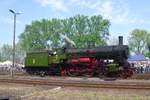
<point x="15" y="91"/>
<point x="30" y="92"/>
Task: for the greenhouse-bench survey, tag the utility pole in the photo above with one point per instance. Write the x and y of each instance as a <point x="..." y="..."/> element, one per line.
<point x="14" y="32"/>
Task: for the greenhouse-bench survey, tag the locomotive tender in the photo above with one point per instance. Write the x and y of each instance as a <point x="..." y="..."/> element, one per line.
<point x="108" y="61"/>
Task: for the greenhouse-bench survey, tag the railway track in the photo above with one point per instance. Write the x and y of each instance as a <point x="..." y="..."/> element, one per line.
<point x="85" y="84"/>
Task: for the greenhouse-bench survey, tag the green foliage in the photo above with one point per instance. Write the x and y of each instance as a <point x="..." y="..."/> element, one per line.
<point x="19" y="53"/>
<point x="81" y="29"/>
<point x="6" y="53"/>
<point x="138" y="41"/>
<point x="147" y="54"/>
<point x="0" y="56"/>
<point x="148" y="42"/>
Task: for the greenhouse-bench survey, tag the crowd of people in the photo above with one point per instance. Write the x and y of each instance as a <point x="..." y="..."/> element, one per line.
<point x="141" y="66"/>
<point x="7" y="65"/>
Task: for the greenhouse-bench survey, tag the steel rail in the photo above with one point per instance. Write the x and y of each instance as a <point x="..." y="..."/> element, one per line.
<point x="78" y="84"/>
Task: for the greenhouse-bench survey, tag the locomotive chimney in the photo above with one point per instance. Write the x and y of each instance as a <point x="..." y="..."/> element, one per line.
<point x="120" y="40"/>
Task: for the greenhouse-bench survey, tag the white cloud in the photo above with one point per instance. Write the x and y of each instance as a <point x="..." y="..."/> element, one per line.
<point x="106" y="9"/>
<point x="58" y="5"/>
<point x="117" y="11"/>
<point x="85" y="3"/>
<point x="114" y="10"/>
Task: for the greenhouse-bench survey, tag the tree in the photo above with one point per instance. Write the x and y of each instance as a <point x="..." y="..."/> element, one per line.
<point x="32" y="37"/>
<point x="19" y="54"/>
<point x="138" y="41"/>
<point x="6" y="53"/>
<point x="81" y="29"/>
<point x="148" y="41"/>
<point x="90" y="29"/>
<point x="0" y="55"/>
<point x="147" y="54"/>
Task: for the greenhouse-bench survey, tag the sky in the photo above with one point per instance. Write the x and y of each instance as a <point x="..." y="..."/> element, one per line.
<point x="124" y="15"/>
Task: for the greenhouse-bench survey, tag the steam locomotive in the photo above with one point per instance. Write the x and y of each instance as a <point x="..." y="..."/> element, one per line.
<point x="106" y="61"/>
